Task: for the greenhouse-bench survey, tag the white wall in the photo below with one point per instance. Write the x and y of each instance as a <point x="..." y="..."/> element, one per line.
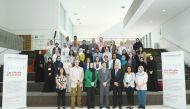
<point x="89" y="31"/>
<point x="69" y="26"/>
<point x="108" y="31"/>
<point x="4" y="16"/>
<point x="177" y="32"/>
<point x="178" y="29"/>
<point x="35" y="17"/>
<point x="155" y="36"/>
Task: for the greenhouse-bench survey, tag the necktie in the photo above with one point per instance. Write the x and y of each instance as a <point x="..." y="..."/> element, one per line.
<point x="113" y="64"/>
<point x="116" y="72"/>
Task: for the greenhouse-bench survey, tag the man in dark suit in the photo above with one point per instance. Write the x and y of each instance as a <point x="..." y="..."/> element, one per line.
<point x="104" y="79"/>
<point x="116" y="82"/>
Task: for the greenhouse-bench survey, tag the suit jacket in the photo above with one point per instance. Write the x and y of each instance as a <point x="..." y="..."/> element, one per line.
<point x="116" y="78"/>
<point x="107" y="77"/>
<point x="111" y="66"/>
<point x="73" y="76"/>
<point x="57" y="65"/>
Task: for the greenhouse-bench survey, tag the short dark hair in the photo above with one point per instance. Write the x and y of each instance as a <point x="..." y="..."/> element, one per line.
<point x="49" y="58"/>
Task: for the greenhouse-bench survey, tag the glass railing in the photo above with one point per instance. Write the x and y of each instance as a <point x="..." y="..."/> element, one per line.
<point x="10" y="40"/>
<point x="171" y="46"/>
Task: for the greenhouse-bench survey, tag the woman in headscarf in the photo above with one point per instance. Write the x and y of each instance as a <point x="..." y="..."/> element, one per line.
<point x="89" y="55"/>
<point x="137" y="45"/>
<point x="142" y="63"/>
<point x="152" y="74"/>
<point x="91" y="77"/>
<point x="123" y="59"/>
<point x="141" y="79"/>
<point x="49" y="76"/>
<point x="39" y="67"/>
<point x="57" y="65"/>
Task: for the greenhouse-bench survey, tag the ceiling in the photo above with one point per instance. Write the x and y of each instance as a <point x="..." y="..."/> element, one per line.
<point x="159" y="12"/>
<point x="107" y="15"/>
<point x="96" y="12"/>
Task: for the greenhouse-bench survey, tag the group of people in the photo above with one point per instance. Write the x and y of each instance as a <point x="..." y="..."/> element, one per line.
<point x="80" y="67"/>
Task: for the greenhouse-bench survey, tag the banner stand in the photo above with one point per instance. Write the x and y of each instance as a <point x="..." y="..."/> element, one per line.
<point x="14" y="81"/>
<point x="173" y="73"/>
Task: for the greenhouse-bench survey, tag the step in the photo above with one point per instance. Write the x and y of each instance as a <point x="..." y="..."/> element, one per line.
<point x="31" y="86"/>
<point x="31" y="76"/>
<point x="38" y="87"/>
<point x="49" y="99"/>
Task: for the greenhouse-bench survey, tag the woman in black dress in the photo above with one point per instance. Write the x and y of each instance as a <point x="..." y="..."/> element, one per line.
<point x="152" y="74"/>
<point x="39" y="67"/>
<point x="49" y="76"/>
<point x="137" y="45"/>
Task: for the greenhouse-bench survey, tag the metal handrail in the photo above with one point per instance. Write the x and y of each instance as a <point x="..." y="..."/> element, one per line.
<point x="176" y="45"/>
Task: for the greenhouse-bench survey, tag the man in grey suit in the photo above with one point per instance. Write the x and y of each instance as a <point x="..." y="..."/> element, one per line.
<point x="104" y="79"/>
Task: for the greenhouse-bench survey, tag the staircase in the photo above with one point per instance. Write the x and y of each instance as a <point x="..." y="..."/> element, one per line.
<point x="35" y="96"/>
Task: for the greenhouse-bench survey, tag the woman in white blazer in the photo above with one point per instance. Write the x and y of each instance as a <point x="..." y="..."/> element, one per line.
<point x="129" y="84"/>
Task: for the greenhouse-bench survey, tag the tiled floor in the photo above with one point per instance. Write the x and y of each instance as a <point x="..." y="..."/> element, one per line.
<point x="124" y="107"/>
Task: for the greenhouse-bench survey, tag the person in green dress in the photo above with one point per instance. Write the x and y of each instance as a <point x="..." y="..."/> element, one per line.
<point x="91" y="77"/>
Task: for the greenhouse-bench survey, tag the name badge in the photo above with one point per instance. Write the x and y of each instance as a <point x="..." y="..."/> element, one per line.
<point x="151" y="72"/>
<point x="49" y="68"/>
<point x="49" y="74"/>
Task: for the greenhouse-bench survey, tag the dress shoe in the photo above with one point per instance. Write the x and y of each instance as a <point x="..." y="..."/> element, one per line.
<point x="101" y="107"/>
<point x="107" y="107"/>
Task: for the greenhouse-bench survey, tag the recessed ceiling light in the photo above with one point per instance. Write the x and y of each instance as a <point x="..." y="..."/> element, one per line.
<point x="77" y="19"/>
<point x="123" y="7"/>
<point x="163" y="10"/>
<point x="75" y="13"/>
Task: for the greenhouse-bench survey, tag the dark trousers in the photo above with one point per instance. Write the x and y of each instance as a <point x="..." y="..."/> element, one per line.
<point x="130" y="95"/>
<point x="49" y="83"/>
<point x="90" y="97"/>
<point x="39" y="75"/>
<point x="61" y="97"/>
<point x="153" y="83"/>
<point x="117" y="96"/>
